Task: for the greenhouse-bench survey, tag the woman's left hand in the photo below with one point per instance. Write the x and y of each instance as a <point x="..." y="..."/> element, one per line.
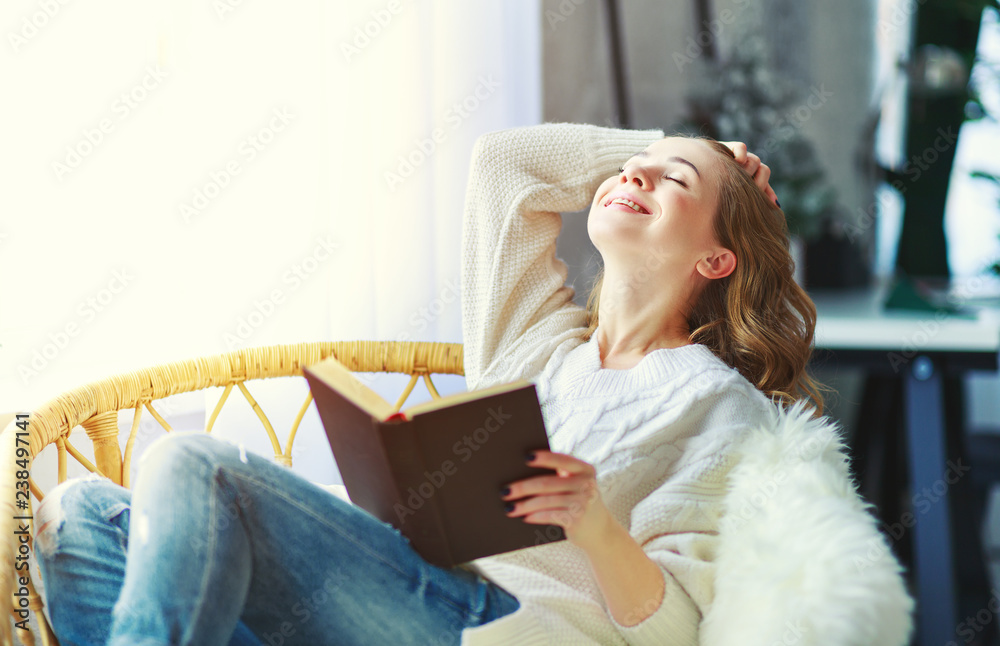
<point x="760" y="171"/>
<point x="569" y="498"/>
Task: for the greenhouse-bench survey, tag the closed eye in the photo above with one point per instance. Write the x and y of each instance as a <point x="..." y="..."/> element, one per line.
<point x="621" y="169"/>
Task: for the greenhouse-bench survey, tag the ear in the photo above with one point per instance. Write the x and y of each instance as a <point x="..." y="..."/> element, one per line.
<point x="720" y="264"/>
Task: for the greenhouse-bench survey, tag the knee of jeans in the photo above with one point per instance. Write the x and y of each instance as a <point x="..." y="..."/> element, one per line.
<point x="70" y="502"/>
<point x="174" y="446"/>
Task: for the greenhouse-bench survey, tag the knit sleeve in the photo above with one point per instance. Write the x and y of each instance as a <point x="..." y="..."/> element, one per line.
<point x="677" y="523"/>
<point x="514" y="290"/>
<point x="674" y="622"/>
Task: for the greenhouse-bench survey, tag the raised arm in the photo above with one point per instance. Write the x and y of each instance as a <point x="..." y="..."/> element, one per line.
<point x="515" y="303"/>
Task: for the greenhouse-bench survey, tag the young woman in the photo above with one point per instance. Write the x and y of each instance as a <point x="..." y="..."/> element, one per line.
<point x="693" y="331"/>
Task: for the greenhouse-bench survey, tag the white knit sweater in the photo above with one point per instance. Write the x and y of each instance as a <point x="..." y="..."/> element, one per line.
<point x="660" y="434"/>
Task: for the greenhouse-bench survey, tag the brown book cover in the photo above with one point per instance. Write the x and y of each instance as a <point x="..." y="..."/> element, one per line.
<point x="435" y="470"/>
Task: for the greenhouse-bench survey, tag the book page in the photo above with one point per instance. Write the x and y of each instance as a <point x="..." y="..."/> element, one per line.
<point x="458" y="398"/>
<point x="338" y="490"/>
<point x="339" y="378"/>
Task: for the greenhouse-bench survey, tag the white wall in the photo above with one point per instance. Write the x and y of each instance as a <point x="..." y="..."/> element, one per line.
<point x="292" y="118"/>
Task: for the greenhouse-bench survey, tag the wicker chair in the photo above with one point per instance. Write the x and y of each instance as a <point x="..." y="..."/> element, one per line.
<point x="95" y="407"/>
<point x="869" y="605"/>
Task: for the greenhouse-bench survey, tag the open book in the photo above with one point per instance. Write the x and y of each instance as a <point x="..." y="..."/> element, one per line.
<point x="435" y="470"/>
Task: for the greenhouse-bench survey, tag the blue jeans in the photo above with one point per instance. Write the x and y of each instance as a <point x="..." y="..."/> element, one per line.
<point x="215" y="545"/>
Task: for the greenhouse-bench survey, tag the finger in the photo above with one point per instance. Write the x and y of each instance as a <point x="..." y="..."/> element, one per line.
<point x="560" y="462"/>
<point x="559" y="517"/>
<point x="761" y="177"/>
<point x="548" y="485"/>
<point x="771" y="194"/>
<point x="570" y="505"/>
<point x="753" y="164"/>
<point x="739" y="150"/>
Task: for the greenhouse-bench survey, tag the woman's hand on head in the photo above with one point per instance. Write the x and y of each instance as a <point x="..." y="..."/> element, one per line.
<point x="568" y="498"/>
<point x="760" y="171"/>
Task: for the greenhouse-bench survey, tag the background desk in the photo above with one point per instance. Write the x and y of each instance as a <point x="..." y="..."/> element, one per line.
<point x="919" y="347"/>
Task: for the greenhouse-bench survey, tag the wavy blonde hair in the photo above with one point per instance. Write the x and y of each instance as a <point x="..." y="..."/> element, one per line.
<point x="758" y="319"/>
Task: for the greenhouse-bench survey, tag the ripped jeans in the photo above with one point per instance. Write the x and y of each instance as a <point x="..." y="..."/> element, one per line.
<point x="215" y="545"/>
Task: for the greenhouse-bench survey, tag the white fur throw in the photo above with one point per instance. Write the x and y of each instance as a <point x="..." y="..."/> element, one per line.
<point x="800" y="559"/>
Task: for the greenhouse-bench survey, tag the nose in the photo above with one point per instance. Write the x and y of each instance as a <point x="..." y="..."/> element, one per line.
<point x="635" y="175"/>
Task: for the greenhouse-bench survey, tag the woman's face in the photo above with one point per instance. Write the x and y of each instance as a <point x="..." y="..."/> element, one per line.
<point x="672" y="188"/>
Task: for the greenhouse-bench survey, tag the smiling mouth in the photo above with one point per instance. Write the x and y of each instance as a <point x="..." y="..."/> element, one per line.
<point x="627" y="203"/>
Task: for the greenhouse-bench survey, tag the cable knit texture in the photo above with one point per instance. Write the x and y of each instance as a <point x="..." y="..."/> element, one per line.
<point x="661" y="434"/>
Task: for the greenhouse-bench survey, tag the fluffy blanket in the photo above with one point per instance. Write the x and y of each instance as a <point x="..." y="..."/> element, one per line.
<point x="801" y="560"/>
